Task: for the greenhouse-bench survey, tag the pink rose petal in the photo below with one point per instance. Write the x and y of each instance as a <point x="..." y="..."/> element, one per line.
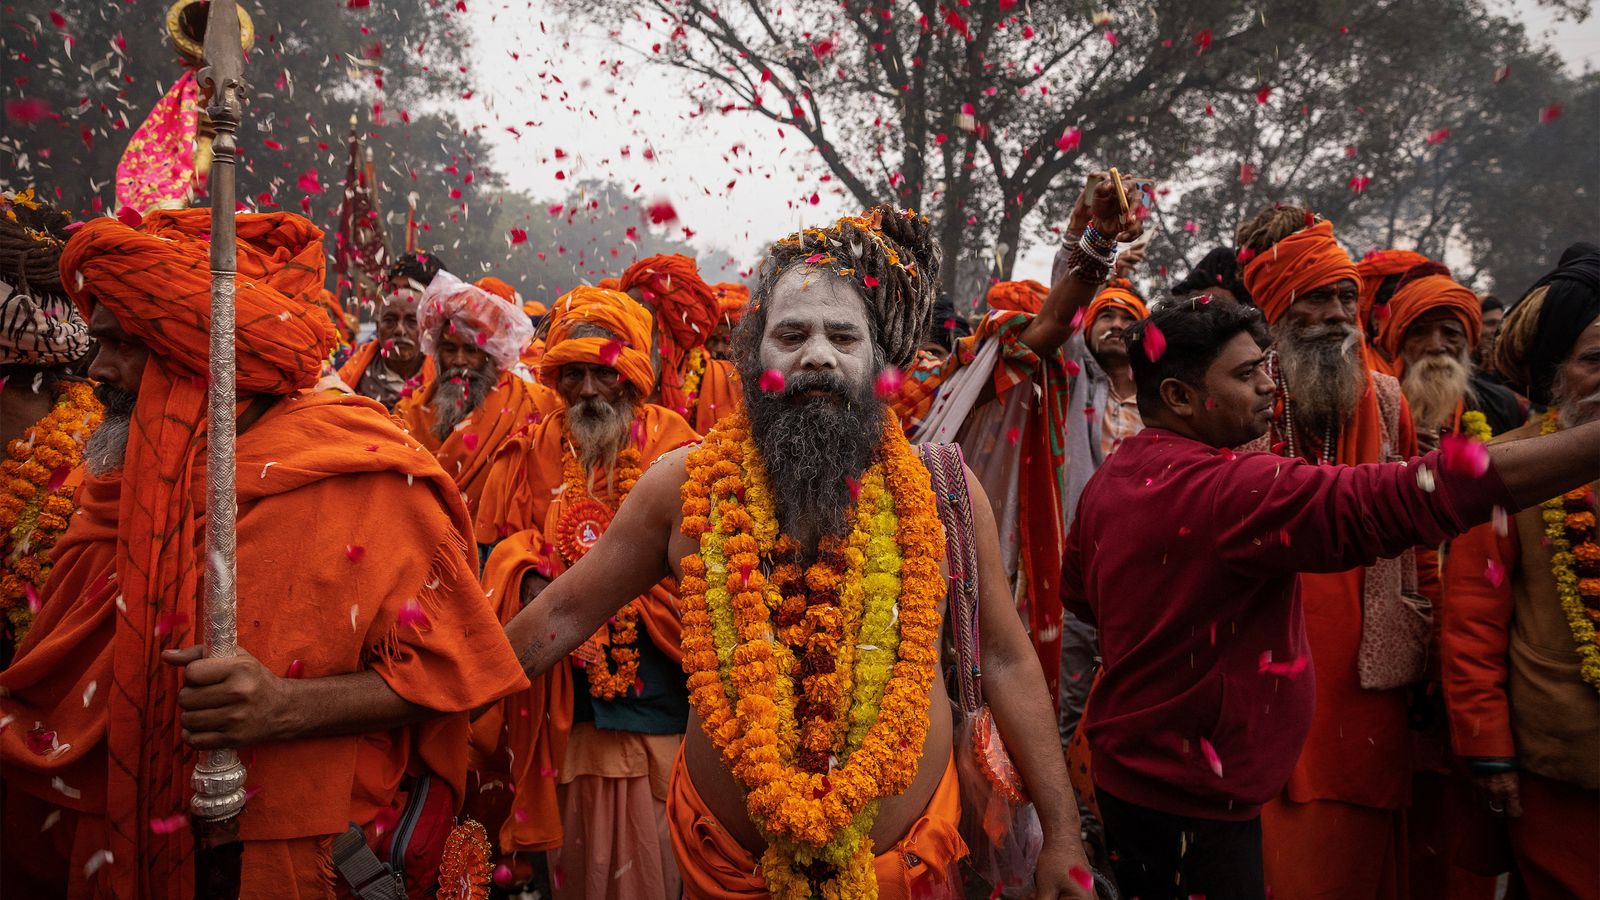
<point x="169" y="825"/>
<point x="1464" y="455"/>
<point x="1212" y="759"/>
<point x="888" y="383"/>
<point x="412" y="615"/>
<point x="771" y="381"/>
<point x="1155" y="343"/>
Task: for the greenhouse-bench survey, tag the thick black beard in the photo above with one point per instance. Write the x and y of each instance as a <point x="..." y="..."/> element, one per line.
<point x="813" y="448"/>
<point x="457" y="394"/>
<point x="117" y="401"/>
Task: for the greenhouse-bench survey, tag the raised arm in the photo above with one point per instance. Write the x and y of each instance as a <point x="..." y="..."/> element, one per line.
<point x="1069" y="292"/>
<point x="1538" y="468"/>
<point x="1022" y="710"/>
<point x="629" y="558"/>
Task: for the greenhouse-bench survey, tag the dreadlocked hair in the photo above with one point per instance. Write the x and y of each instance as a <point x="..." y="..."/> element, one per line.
<point x="1272" y="225"/>
<point x="33" y="233"/>
<point x="1517" y="332"/>
<point x="889" y="256"/>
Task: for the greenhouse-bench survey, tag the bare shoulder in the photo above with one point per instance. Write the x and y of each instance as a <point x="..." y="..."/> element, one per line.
<point x="668" y="472"/>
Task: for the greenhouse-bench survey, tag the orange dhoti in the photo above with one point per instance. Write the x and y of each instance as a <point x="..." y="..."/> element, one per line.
<point x="717" y="867"/>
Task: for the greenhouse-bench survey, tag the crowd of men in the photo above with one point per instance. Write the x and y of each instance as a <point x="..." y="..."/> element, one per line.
<point x="1284" y="582"/>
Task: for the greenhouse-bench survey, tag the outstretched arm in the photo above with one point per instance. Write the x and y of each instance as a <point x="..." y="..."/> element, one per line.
<point x="629" y="558"/>
<point x="1069" y="294"/>
<point x="1022" y="712"/>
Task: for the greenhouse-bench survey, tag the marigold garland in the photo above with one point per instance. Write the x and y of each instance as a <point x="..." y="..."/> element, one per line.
<point x="755" y="626"/>
<point x="614" y="670"/>
<point x="1569" y="524"/>
<point x="33" y="516"/>
<point x="1475" y="424"/>
<point x="694" y="371"/>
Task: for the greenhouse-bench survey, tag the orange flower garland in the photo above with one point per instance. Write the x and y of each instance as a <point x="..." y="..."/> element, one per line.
<point x="1569" y="527"/>
<point x="612" y="667"/>
<point x="35" y="507"/>
<point x="740" y="636"/>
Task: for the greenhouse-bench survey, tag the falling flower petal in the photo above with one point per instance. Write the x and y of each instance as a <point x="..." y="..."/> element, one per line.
<point x="1494" y="573"/>
<point x="413" y="616"/>
<point x="354" y="552"/>
<point x="1155" y="343"/>
<point x="609" y="351"/>
<point x="169" y="824"/>
<point x="1212" y="759"/>
<point x="771" y="381"/>
<point x="1464" y="455"/>
<point x="888" y="383"/>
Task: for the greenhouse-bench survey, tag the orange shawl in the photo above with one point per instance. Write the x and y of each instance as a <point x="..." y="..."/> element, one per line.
<point x="1298" y="264"/>
<point x="1418" y="297"/>
<point x="356" y="366"/>
<point x="534" y="724"/>
<point x="720" y="394"/>
<point x="467" y="452"/>
<point x="313" y="565"/>
<point x="1018" y="296"/>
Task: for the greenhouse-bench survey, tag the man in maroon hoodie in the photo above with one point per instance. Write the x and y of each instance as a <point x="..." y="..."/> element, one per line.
<point x="1207" y="692"/>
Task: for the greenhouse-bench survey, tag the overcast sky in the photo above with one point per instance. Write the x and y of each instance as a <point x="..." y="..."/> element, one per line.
<point x="600" y="109"/>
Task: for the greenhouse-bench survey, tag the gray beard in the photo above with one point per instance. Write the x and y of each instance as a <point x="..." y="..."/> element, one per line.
<point x="1324" y="370"/>
<point x="107" y="447"/>
<point x="457" y="394"/>
<point x="813" y="447"/>
<point x="1433" y="386"/>
<point x="1573" y="411"/>
<point x="599" y="430"/>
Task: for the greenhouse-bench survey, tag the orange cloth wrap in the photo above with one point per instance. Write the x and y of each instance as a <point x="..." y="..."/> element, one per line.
<point x="1018" y="296"/>
<point x="717" y="867"/>
<point x="1373" y="269"/>
<point x="468" y="452"/>
<point x="617" y="313"/>
<point x="1113" y="297"/>
<point x="686" y="308"/>
<point x="498" y="288"/>
<point x="522" y="505"/>
<point x="732" y="299"/>
<point x="1416" y="298"/>
<point x="1296" y="265"/>
<point x="307" y="471"/>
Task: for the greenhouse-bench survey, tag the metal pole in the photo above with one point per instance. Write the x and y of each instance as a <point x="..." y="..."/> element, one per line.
<point x="219" y="778"/>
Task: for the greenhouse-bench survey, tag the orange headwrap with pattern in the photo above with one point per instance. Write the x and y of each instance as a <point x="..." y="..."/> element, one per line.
<point x="1018" y="296"/>
<point x="620" y="315"/>
<point x="732" y="298"/>
<point x="1296" y="265"/>
<point x="1113" y="297"/>
<point x="1419" y="296"/>
<point x="1373" y="269"/>
<point x="685" y="306"/>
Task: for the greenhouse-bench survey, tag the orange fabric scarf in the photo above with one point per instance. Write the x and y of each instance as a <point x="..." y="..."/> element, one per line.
<point x="1373" y="269"/>
<point x="1018" y="296"/>
<point x="1298" y="264"/>
<point x="1420" y="296"/>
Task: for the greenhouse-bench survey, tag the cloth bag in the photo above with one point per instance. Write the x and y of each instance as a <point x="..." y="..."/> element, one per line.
<point x="999" y="825"/>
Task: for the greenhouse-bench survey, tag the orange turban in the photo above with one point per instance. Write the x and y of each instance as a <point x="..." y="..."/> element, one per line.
<point x="157" y="281"/>
<point x="1296" y="265"/>
<point x="498" y="288"/>
<point x="1114" y="297"/>
<point x="610" y="284"/>
<point x="686" y="308"/>
<point x="1419" y="296"/>
<point x="1373" y="269"/>
<point x="1018" y="296"/>
<point x="732" y="299"/>
<point x="534" y="308"/>
<point x="617" y="313"/>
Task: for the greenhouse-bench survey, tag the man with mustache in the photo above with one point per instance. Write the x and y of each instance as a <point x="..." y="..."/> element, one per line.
<point x="1520" y="665"/>
<point x="1102" y="391"/>
<point x="1208" y="690"/>
<point x="591" y="744"/>
<point x="482" y="394"/>
<point x="109" y="692"/>
<point x="1429" y="335"/>
<point x="391" y="365"/>
<point x="1338" y="827"/>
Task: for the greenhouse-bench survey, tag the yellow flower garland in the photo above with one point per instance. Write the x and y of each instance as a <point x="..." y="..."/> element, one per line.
<point x="694" y="371"/>
<point x="1475" y="425"/>
<point x="32" y="516"/>
<point x="740" y="655"/>
<point x="1572" y="540"/>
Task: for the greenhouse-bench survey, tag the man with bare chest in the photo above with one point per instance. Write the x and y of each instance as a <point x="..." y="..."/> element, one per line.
<point x="810" y="557"/>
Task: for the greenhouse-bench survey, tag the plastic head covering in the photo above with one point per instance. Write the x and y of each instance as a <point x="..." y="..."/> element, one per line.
<point x="1018" y="296"/>
<point x="38" y="324"/>
<point x="732" y="299"/>
<point x="1540" y="329"/>
<point x="889" y="256"/>
<point x="1217" y="269"/>
<point x="498" y="328"/>
<point x="1296" y="265"/>
<point x="1378" y="268"/>
<point x="685" y="307"/>
<point x="627" y="351"/>
<point x="1114" y="297"/>
<point x="1419" y="293"/>
<point x="499" y="288"/>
